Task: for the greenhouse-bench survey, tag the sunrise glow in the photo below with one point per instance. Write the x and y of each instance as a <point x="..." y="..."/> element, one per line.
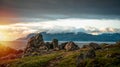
<point x="2" y="37"/>
<point x="6" y="16"/>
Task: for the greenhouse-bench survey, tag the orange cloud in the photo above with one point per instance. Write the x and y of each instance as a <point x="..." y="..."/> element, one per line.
<point x="11" y="33"/>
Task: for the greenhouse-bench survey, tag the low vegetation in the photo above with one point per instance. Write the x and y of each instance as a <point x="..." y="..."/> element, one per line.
<point x="36" y="61"/>
<point x="50" y="54"/>
<point x="67" y="59"/>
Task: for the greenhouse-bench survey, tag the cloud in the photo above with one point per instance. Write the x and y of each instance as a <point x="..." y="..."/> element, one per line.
<point x="12" y="33"/>
<point x="54" y="9"/>
<point x="96" y="31"/>
<point x="91" y="26"/>
<point x="14" y="11"/>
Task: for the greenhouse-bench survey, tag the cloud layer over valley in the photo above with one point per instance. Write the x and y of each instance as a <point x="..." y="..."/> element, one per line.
<point x="91" y="26"/>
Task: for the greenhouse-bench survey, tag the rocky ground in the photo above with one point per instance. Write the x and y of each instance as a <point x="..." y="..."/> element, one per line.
<point x="49" y="54"/>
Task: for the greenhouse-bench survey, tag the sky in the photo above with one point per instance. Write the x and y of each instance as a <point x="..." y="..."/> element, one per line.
<point x="19" y="18"/>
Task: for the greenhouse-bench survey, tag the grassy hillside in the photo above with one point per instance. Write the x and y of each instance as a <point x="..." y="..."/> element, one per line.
<point x="67" y="59"/>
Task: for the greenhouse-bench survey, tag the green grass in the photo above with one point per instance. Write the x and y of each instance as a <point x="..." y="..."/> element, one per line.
<point x="68" y="59"/>
<point x="36" y="61"/>
<point x="108" y="62"/>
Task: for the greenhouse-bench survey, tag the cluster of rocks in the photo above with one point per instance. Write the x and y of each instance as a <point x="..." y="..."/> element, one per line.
<point x="37" y="46"/>
<point x="81" y="58"/>
<point x="90" y="54"/>
<point x="94" y="46"/>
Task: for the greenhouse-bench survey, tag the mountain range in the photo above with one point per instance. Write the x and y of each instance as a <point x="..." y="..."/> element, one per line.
<point x="80" y="36"/>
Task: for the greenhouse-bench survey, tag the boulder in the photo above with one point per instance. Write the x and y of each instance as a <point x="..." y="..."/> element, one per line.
<point x="95" y="46"/>
<point x="81" y="58"/>
<point x="70" y="46"/>
<point x="55" y="43"/>
<point x="80" y="61"/>
<point x="49" y="45"/>
<point x="118" y="43"/>
<point x="85" y="46"/>
<point x="62" y="46"/>
<point x="90" y="54"/>
<point x="104" y="45"/>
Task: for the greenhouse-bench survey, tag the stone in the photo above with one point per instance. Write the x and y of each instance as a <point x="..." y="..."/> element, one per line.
<point x="80" y="61"/>
<point x="70" y="46"/>
<point x="56" y="49"/>
<point x="103" y="45"/>
<point x="55" y="43"/>
<point x="86" y="46"/>
<point x="90" y="54"/>
<point x="118" y="43"/>
<point x="95" y="46"/>
<point x="62" y="46"/>
<point x="49" y="45"/>
<point x="109" y="46"/>
<point x="35" y="44"/>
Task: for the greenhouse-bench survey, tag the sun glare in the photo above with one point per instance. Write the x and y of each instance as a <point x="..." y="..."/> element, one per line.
<point x="1" y="37"/>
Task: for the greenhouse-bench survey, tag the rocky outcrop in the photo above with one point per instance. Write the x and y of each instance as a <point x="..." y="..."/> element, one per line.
<point x="70" y="46"/>
<point x="35" y="44"/>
